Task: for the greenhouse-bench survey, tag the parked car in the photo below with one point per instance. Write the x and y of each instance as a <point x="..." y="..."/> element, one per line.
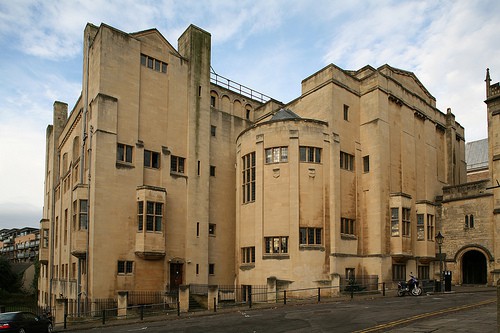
<point x="24" y="322"/>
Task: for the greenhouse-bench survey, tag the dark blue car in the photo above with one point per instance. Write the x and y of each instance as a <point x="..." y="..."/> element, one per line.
<point x="24" y="322"/>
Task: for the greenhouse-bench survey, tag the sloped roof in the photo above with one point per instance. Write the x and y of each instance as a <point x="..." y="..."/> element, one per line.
<point x="284" y="114"/>
<point x="476" y="154"/>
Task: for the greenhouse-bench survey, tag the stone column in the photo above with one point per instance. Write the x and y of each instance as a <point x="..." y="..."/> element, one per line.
<point x="213" y="296"/>
<point x="184" y="298"/>
<point x="122" y="304"/>
<point x="61" y="309"/>
<point x="271" y="289"/>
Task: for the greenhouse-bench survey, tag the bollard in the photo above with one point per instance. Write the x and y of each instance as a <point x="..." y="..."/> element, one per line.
<point x="178" y="308"/>
<point x="319" y="294"/>
<point x="383" y="288"/>
<point x="215" y="304"/>
<point x="142" y="312"/>
<point x="103" y="317"/>
<point x="284" y="297"/>
<point x="250" y="298"/>
<point x="65" y="320"/>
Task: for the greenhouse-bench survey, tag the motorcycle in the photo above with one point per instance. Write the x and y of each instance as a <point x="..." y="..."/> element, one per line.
<point x="411" y="287"/>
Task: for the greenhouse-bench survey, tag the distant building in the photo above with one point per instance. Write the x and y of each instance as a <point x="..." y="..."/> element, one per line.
<point x="165" y="173"/>
<point x="19" y="245"/>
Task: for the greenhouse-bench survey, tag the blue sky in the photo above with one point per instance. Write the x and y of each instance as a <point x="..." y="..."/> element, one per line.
<point x="268" y="45"/>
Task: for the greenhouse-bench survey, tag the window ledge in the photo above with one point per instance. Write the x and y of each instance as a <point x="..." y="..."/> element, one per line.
<point x="278" y="256"/>
<point x="348" y="237"/>
<point x="246" y="267"/>
<point x="303" y="247"/>
<point x="178" y="174"/>
<point x="124" y="165"/>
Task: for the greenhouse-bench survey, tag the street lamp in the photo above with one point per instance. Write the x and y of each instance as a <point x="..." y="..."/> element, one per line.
<point x="439" y="240"/>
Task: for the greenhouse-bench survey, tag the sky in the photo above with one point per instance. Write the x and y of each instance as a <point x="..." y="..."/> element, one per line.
<point x="267" y="45"/>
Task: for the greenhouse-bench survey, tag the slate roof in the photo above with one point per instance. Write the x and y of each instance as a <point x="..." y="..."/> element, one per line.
<point x="476" y="154"/>
<point x="284" y="114"/>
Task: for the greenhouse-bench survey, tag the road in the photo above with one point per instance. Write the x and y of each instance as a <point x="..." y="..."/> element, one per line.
<point x="459" y="312"/>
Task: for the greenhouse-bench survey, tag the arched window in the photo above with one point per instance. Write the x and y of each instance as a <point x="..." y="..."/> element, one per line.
<point x="214" y="99"/>
<point x="466" y="221"/>
<point x="471" y="221"/>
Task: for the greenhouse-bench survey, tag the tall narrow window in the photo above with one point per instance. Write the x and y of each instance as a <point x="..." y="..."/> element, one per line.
<point x="430" y="227"/>
<point x="211" y="269"/>
<point x="406" y="222"/>
<point x="366" y="163"/>
<point x="347" y="226"/>
<point x="248" y="182"/>
<point x="420" y="227"/>
<point x="212" y="171"/>
<point x="83" y="214"/>
<point x="140" y="215"/>
<point x="346" y="161"/>
<point x="346" y="112"/>
<point x="394" y="222"/>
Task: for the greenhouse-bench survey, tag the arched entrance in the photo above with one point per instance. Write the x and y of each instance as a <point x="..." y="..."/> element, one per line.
<point x="474" y="268"/>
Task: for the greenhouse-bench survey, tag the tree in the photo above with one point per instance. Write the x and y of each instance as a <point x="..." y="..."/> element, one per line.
<point x="9" y="281"/>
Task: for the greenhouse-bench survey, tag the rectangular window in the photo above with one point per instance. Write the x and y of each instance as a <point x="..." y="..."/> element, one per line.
<point x="157" y="65"/>
<point x="346" y="112"/>
<point x="310" y="154"/>
<point x="430" y="227"/>
<point x="213" y="130"/>
<point x="406" y="222"/>
<point x="75" y="213"/>
<point x="124" y="153"/>
<point x="212" y="101"/>
<point x="45" y="241"/>
<point x="248" y="182"/>
<point x="177" y="164"/>
<point x="212" y="171"/>
<point x="197" y="229"/>
<point x="346" y="161"/>
<point x="151" y="159"/>
<point x="144" y="59"/>
<point x="211" y="229"/>
<point x="347" y="226"/>
<point x="65" y="226"/>
<point x="276" y="245"/>
<point x="163" y="67"/>
<point x="150" y="62"/>
<point x="420" y="227"/>
<point x="83" y="215"/>
<point x="366" y="164"/>
<point x="398" y="272"/>
<point x="276" y="155"/>
<point x="310" y="236"/>
<point x="125" y="267"/>
<point x="394" y="222"/>
<point x="248" y="255"/>
<point x="152" y="216"/>
<point x="423" y="272"/>
<point x="197" y="269"/>
<point x="211" y="269"/>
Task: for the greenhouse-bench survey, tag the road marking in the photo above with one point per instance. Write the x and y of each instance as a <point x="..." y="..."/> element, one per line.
<point x="139" y="329"/>
<point x="424" y="315"/>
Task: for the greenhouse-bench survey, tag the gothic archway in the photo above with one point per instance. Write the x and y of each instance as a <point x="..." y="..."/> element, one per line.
<point x="474" y="268"/>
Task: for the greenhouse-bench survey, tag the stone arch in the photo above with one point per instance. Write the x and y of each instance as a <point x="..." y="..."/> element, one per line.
<point x="472" y="263"/>
<point x="248" y="112"/>
<point x="76" y="148"/>
<point x="225" y="104"/>
<point x="214" y="99"/>
<point x="237" y="108"/>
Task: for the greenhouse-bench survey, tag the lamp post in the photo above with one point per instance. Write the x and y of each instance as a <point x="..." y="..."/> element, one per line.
<point x="439" y="240"/>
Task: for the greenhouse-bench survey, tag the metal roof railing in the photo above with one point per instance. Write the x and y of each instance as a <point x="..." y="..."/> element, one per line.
<point x="238" y="88"/>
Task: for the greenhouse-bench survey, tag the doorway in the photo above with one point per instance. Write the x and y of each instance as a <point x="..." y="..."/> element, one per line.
<point x="474" y="268"/>
<point x="175" y="275"/>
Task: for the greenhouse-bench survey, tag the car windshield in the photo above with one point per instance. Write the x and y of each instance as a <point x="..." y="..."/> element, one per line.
<point x="7" y="316"/>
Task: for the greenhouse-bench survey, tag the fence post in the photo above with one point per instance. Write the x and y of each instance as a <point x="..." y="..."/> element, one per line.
<point x="65" y="320"/>
<point x="319" y="294"/>
<point x="284" y="296"/>
<point x="142" y="312"/>
<point x="383" y="288"/>
<point x="215" y="304"/>
<point x="178" y="307"/>
<point x="250" y="298"/>
<point x="103" y="317"/>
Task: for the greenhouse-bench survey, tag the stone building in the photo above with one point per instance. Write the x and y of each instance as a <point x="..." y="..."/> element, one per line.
<point x="470" y="211"/>
<point x="165" y="173"/>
